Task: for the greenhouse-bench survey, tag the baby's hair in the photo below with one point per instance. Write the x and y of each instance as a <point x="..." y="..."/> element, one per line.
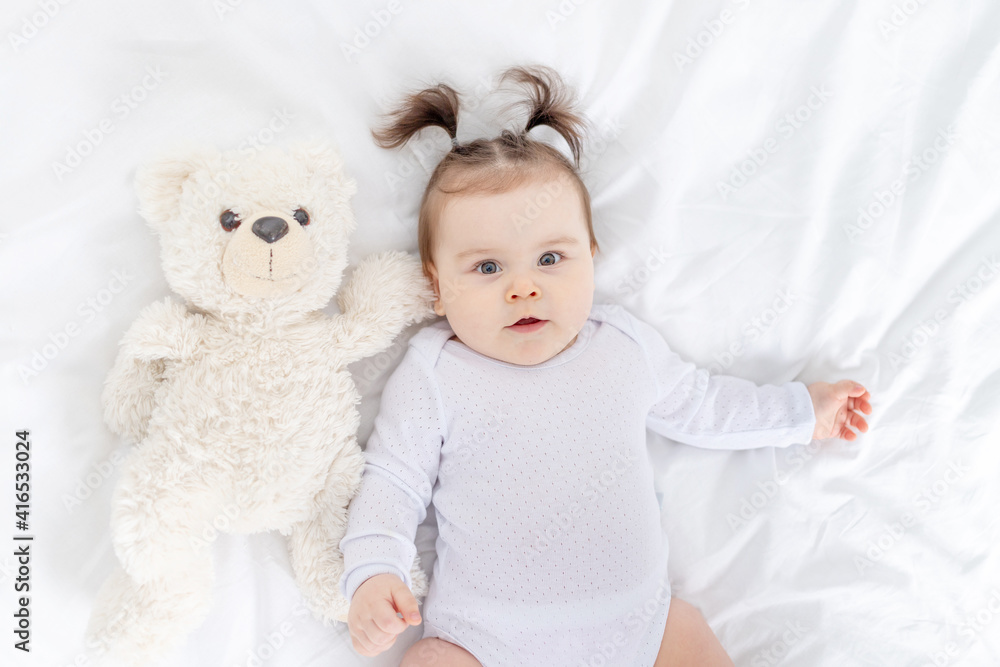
<point x="490" y="165"/>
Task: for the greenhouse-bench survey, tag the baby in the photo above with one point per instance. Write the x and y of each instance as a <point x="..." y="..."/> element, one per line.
<point x="523" y="416"/>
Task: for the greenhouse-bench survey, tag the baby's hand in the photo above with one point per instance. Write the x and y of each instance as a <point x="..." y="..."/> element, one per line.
<point x="835" y="405"/>
<point x="372" y="619"/>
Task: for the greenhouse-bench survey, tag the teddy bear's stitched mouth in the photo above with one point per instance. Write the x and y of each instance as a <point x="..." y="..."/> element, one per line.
<point x="270" y="278"/>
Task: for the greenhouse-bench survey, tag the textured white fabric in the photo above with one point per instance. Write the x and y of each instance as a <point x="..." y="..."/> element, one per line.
<point x="550" y="548"/>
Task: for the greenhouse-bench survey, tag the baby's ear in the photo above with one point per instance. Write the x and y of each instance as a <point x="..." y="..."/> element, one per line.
<point x="159" y="183"/>
<point x="436" y="285"/>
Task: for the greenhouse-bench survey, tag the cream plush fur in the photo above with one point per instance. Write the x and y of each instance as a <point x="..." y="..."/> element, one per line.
<point x="239" y="399"/>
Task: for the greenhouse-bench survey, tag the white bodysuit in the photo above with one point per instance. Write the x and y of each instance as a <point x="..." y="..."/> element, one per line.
<point x="550" y="549"/>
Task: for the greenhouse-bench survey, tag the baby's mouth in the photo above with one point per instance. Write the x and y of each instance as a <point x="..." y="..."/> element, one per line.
<point x="527" y="324"/>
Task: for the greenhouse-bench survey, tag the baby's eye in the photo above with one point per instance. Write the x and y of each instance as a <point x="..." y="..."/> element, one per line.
<point x="487" y="263"/>
<point x="542" y="261"/>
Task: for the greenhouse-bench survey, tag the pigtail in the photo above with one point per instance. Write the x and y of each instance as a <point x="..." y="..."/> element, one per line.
<point x="549" y="103"/>
<point x="432" y="106"/>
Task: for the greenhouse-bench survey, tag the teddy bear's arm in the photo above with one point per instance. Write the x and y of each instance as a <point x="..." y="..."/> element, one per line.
<point x="162" y="333"/>
<point x="314" y="544"/>
<point x="386" y="293"/>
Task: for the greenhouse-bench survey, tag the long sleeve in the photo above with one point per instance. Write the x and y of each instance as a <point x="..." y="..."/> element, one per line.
<point x="721" y="411"/>
<point x="401" y="466"/>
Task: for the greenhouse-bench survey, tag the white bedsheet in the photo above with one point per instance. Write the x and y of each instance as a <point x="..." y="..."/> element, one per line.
<point x="785" y="190"/>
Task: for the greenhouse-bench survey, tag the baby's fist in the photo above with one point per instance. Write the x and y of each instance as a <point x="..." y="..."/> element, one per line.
<point x="372" y="619"/>
<point x="835" y="406"/>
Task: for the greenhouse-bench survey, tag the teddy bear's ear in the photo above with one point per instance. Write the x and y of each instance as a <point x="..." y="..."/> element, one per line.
<point x="319" y="156"/>
<point x="160" y="181"/>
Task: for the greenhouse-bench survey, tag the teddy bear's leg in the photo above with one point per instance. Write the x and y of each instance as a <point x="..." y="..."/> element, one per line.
<point x="162" y="529"/>
<point x="137" y="624"/>
<point x="162" y="513"/>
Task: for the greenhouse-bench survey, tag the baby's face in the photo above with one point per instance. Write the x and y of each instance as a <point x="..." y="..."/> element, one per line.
<point x="520" y="254"/>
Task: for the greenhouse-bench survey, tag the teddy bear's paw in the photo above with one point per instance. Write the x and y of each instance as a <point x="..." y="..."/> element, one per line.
<point x="420" y="298"/>
<point x="418" y="579"/>
<point x="331" y="609"/>
<point x="391" y="282"/>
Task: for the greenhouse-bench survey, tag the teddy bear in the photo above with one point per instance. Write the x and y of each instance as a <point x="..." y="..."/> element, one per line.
<point x="238" y="399"/>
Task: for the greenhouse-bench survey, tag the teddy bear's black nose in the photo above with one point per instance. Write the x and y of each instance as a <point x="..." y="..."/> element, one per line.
<point x="270" y="228"/>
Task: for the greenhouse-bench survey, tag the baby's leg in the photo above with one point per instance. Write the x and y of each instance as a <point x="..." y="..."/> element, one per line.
<point x="687" y="640"/>
<point x="437" y="653"/>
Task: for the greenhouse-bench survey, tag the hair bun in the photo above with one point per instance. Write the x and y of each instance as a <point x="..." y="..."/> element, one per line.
<point x="431" y="106"/>
<point x="549" y="103"/>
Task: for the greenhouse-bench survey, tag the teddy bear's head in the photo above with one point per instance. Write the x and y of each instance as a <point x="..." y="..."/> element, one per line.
<point x="254" y="232"/>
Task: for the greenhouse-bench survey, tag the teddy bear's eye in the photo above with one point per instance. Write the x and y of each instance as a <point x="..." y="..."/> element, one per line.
<point x="229" y="220"/>
<point x="301" y="216"/>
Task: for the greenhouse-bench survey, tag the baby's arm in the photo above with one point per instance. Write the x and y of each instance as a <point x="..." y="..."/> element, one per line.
<point x="725" y="412"/>
<point x="401" y="462"/>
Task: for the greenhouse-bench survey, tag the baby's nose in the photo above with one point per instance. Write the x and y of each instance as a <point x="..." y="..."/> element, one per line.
<point x="522" y="289"/>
